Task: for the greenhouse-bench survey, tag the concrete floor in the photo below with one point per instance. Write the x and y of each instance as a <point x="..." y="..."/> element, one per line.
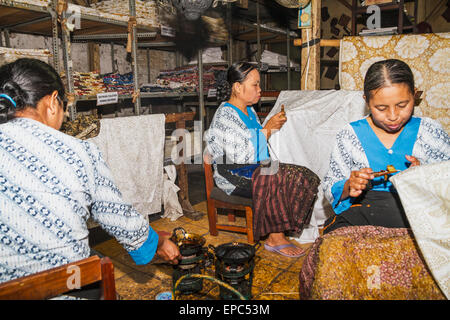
<point x="275" y="276"/>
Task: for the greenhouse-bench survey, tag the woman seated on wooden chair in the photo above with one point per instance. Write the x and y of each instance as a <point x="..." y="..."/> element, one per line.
<point x="237" y="143"/>
<point x="51" y="183"/>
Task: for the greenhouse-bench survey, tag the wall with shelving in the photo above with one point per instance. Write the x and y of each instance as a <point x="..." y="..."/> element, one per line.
<point x="279" y="80"/>
<point x="159" y="60"/>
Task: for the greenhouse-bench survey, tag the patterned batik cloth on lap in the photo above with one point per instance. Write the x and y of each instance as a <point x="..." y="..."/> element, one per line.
<point x="367" y="263"/>
<point x="283" y="201"/>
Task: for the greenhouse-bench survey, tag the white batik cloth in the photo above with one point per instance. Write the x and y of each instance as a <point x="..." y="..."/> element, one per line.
<point x="425" y="195"/>
<point x="133" y="147"/>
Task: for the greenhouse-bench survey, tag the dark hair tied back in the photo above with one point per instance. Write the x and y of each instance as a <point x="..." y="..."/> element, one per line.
<point x="237" y="72"/>
<point x="387" y="72"/>
<point x="26" y="82"/>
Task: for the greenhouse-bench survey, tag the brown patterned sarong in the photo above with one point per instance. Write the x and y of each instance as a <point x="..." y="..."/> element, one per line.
<point x="367" y="263"/>
<point x="283" y="201"/>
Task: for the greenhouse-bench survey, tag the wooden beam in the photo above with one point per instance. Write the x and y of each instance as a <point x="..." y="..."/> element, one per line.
<point x="322" y="43"/>
<point x="94" y="56"/>
<point x="421" y="10"/>
<point x="184" y="116"/>
<point x="270" y="93"/>
<point x="346" y="4"/>
<point x="310" y="57"/>
<point x="183" y="195"/>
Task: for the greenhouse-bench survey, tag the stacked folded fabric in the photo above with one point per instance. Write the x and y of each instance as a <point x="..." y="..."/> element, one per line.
<point x="275" y="59"/>
<point x="150" y="87"/>
<point x="185" y="79"/>
<point x="210" y="55"/>
<point x="146" y="11"/>
<point x="40" y="3"/>
<point x="8" y="55"/>
<point x="120" y="83"/>
<point x="86" y="83"/>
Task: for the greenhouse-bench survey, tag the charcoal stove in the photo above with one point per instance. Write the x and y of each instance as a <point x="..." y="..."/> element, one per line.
<point x="193" y="260"/>
<point x="234" y="265"/>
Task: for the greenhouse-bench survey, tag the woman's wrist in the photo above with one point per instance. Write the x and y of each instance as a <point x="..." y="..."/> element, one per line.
<point x="346" y="190"/>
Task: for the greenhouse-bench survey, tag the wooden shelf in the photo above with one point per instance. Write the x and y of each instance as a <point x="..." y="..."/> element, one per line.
<point x="393" y="6"/>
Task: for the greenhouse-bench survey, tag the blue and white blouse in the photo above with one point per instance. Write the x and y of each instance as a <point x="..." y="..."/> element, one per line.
<point x="236" y="136"/>
<point x="357" y="147"/>
<point x="50" y="184"/>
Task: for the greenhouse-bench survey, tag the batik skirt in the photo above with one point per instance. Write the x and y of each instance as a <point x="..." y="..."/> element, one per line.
<point x="283" y="199"/>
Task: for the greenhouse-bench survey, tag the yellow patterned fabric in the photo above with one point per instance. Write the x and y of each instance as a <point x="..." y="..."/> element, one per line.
<point x="425" y="195"/>
<point x="367" y="263"/>
<point x="426" y="54"/>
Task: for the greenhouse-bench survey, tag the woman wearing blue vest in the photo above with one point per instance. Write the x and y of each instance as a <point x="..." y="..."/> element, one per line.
<point x="390" y="135"/>
<point x="51" y="183"/>
<point x="237" y="142"/>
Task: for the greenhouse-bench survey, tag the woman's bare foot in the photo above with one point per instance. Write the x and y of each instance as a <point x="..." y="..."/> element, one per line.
<point x="278" y="239"/>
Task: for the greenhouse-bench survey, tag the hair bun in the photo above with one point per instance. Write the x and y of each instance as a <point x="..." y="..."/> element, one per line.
<point x="15" y="92"/>
<point x="11" y="102"/>
<point x="223" y="90"/>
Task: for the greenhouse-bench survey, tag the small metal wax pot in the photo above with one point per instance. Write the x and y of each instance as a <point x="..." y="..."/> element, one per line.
<point x="193" y="260"/>
<point x="234" y="265"/>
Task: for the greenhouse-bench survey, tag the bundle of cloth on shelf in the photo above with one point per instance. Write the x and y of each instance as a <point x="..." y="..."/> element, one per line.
<point x="85" y="126"/>
<point x="40" y="3"/>
<point x="147" y="12"/>
<point x="120" y="83"/>
<point x="86" y="83"/>
<point x="275" y="59"/>
<point x="92" y="83"/>
<point x="151" y="87"/>
<point x="8" y="55"/>
<point x="184" y="79"/>
<point x="210" y="55"/>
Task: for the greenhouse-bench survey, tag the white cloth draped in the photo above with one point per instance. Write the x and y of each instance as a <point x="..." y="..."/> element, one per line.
<point x="133" y="147"/>
<point x="425" y="195"/>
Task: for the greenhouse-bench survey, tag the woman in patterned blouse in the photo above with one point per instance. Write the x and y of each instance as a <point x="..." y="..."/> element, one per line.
<point x="238" y="145"/>
<point x="389" y="136"/>
<point x="51" y="183"/>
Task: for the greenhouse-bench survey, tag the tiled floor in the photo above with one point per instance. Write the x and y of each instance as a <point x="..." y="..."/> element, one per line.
<point x="275" y="276"/>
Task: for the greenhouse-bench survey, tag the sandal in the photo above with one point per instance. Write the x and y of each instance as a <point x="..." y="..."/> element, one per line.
<point x="278" y="249"/>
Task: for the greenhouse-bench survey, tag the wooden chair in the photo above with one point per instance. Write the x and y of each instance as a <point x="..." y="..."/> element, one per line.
<point x="216" y="199"/>
<point x="53" y="282"/>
